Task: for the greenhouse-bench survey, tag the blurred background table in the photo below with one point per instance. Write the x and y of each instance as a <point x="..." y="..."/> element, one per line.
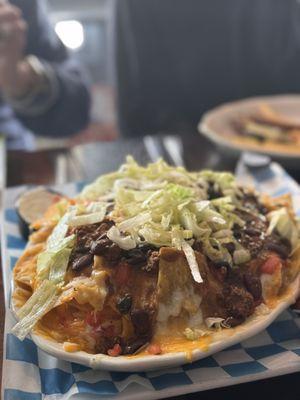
<point x="86" y="162"/>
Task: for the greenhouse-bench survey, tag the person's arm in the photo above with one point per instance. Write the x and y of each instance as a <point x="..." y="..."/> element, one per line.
<point x="48" y="92"/>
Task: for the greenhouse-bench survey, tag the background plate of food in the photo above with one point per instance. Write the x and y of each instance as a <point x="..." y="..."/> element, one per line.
<point x="152" y="267"/>
<point x="268" y="124"/>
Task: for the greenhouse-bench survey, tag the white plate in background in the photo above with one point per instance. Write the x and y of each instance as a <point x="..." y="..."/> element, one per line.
<point x="218" y="126"/>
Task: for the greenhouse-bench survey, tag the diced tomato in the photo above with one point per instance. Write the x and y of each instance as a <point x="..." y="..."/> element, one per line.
<point x="271" y="265"/>
<point x="115" y="351"/>
<point x="122" y="274"/>
<point x="94" y="319"/>
<point x="154" y="349"/>
<point x="56" y="198"/>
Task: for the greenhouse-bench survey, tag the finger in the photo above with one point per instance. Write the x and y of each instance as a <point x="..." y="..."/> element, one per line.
<point x="13" y="34"/>
<point x="9" y="29"/>
<point x="9" y="13"/>
<point x="20" y="30"/>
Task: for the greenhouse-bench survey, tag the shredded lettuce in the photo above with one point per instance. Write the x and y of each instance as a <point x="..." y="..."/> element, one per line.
<point x="59" y="267"/>
<point x="167" y="206"/>
<point x="156" y="236"/>
<point x="134" y="222"/>
<point x="87" y="219"/>
<point x="191" y="259"/>
<point x="241" y="256"/>
<point x="213" y="322"/>
<point x="189" y="221"/>
<point x="59" y="232"/>
<point x="281" y="221"/>
<point x="194" y="334"/>
<point x="215" y="251"/>
<point x="86" y="215"/>
<point x="41" y="302"/>
<point x="166" y="220"/>
<point x="125" y="242"/>
<point x="53" y="262"/>
<point x="51" y="269"/>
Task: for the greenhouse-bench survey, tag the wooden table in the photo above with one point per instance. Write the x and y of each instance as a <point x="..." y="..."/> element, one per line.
<point x="88" y="161"/>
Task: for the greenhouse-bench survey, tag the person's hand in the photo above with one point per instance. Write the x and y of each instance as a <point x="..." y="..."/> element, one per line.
<point x="15" y="74"/>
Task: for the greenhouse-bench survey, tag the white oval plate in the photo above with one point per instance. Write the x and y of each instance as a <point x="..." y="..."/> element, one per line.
<point x="217" y="126"/>
<point x="220" y="340"/>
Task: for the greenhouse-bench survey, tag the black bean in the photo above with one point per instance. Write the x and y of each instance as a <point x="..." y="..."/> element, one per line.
<point x="100" y="246"/>
<point x="113" y="253"/>
<point x="105" y="247"/>
<point x="145" y="248"/>
<point x="141" y="321"/>
<point x="252" y="232"/>
<point x="102" y="229"/>
<point x="124" y="304"/>
<point x="136" y="257"/>
<point x="82" y="249"/>
<point x="212" y="192"/>
<point x="220" y="264"/>
<point x="82" y="262"/>
<point x="230" y="247"/>
<point x="253" y="285"/>
<point x="237" y="233"/>
<point x="262" y="209"/>
<point x="239" y="302"/>
<point x="279" y="248"/>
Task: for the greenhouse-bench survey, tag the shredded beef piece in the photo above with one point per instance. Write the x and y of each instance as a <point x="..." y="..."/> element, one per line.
<point x="251" y="236"/>
<point x="86" y="235"/>
<point x="222" y="273"/>
<point x="251" y="201"/>
<point x="145" y="257"/>
<point x="153" y="261"/>
<point x="252" y="231"/>
<point x="141" y="320"/>
<point x="253" y="285"/>
<point x="238" y="301"/>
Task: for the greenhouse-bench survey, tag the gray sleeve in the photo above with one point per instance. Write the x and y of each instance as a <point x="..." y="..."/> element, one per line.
<point x="38" y="100"/>
<point x="62" y="107"/>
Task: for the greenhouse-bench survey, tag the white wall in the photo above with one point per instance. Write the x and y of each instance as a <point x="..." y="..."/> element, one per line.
<point x="90" y="9"/>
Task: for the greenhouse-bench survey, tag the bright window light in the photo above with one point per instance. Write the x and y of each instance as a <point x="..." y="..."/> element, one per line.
<point x="71" y="33"/>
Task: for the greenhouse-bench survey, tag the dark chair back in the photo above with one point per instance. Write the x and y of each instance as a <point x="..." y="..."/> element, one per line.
<point x="175" y="59"/>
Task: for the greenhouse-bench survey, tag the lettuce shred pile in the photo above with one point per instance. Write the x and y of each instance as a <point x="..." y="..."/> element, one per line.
<point x="169" y="206"/>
